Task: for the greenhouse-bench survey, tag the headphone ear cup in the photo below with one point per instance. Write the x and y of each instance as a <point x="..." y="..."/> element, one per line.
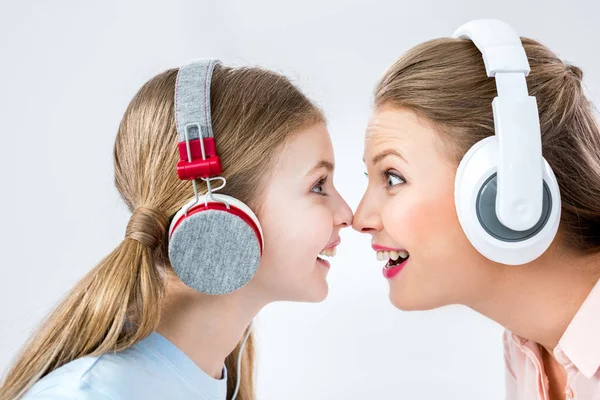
<point x="215" y="250"/>
<point x="475" y="201"/>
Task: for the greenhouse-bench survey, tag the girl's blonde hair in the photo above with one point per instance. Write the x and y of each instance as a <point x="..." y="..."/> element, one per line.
<point x="445" y="81"/>
<point x="118" y="303"/>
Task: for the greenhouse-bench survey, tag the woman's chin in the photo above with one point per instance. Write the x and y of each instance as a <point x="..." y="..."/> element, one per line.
<point x="406" y="302"/>
<point x="402" y="303"/>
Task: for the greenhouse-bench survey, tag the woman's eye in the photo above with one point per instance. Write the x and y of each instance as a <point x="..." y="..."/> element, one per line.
<point x="393" y="179"/>
<point x="318" y="187"/>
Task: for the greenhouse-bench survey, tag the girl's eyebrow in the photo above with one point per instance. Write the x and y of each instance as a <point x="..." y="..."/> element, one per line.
<point x="321" y="164"/>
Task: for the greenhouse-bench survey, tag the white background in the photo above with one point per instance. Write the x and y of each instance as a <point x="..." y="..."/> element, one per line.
<point x="69" y="68"/>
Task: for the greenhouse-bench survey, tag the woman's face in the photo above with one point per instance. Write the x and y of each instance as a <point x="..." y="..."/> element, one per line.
<point x="409" y="208"/>
<point x="301" y="215"/>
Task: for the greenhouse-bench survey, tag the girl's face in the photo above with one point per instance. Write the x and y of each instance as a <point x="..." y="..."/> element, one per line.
<point x="409" y="208"/>
<point x="301" y="215"/>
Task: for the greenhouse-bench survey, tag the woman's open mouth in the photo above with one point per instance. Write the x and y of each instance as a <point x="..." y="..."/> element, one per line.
<point x="397" y="260"/>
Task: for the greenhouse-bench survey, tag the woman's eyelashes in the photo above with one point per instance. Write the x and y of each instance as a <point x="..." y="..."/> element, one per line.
<point x="393" y="178"/>
<point x="318" y="187"/>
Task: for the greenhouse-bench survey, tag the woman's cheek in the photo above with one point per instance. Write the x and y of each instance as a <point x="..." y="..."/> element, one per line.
<point x="417" y="223"/>
<point x="405" y="218"/>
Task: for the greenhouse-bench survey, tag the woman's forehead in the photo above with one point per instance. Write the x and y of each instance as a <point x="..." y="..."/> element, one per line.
<point x="400" y="128"/>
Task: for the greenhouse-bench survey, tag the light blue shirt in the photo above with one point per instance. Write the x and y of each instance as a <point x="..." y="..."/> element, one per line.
<point x="153" y="368"/>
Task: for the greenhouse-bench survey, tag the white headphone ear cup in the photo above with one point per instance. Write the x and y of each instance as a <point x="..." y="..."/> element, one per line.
<point x="215" y="251"/>
<point x="478" y="220"/>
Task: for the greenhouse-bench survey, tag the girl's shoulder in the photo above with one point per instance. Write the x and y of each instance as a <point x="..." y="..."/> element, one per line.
<point x="110" y="376"/>
<point x="68" y="382"/>
<point x="153" y="368"/>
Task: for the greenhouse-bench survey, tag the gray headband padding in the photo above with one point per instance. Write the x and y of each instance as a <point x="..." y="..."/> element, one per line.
<point x="214" y="252"/>
<point x="192" y="98"/>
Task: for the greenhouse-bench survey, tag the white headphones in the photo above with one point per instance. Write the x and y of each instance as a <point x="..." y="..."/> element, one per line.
<point x="506" y="195"/>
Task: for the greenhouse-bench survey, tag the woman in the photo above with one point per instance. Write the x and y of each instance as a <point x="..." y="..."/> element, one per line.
<point x="137" y="326"/>
<point x="430" y="107"/>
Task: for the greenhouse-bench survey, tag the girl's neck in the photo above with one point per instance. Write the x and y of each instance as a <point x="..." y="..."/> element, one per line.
<point x="207" y="328"/>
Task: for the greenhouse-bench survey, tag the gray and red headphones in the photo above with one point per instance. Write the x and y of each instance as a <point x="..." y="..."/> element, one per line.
<point x="215" y="241"/>
<point x="506" y="195"/>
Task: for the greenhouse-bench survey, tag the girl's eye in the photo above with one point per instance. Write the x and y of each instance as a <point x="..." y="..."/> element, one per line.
<point x="393" y="179"/>
<point x="318" y="187"/>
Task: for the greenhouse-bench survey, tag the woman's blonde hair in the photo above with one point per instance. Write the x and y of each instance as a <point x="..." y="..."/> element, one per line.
<point x="118" y="303"/>
<point x="444" y="80"/>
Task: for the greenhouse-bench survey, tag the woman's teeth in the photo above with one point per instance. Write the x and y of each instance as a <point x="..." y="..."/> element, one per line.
<point x="391" y="255"/>
<point x="329" y="252"/>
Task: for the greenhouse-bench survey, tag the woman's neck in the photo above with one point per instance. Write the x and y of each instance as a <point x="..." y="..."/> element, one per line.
<point x="207" y="328"/>
<point x="537" y="301"/>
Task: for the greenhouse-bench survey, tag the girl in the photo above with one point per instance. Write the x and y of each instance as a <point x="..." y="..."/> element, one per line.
<point x="131" y="328"/>
<point x="430" y="107"/>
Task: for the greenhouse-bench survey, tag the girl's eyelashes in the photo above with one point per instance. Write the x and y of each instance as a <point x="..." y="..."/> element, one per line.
<point x="318" y="187"/>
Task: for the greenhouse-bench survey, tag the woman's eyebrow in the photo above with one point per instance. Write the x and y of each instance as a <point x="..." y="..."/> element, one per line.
<point x="389" y="152"/>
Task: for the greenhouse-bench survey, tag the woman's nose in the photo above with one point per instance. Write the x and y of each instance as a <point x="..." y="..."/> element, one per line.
<point x="366" y="219"/>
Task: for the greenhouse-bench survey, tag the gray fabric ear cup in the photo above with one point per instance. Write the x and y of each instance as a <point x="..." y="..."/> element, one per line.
<point x="214" y="252"/>
<point x="486" y="213"/>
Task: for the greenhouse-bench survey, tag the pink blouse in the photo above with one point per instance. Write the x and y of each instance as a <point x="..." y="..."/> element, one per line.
<point x="578" y="351"/>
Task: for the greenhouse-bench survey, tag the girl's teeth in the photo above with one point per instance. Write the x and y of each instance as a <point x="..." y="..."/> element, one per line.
<point x="329" y="252"/>
<point x="394" y="255"/>
<point x="403" y="254"/>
